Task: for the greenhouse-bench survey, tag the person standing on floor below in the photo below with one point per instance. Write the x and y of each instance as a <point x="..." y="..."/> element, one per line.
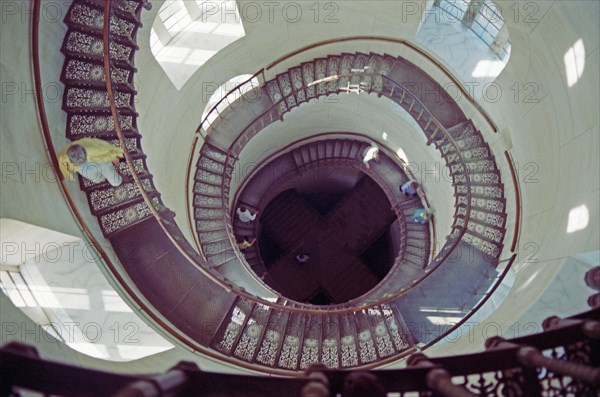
<point x="93" y="159"/>
<point x="371" y="153"/>
<point x="410" y="188"/>
<point x="245" y="215"/>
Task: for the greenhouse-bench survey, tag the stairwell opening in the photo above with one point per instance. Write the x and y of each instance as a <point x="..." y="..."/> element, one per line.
<point x="333" y="212"/>
<point x="327" y="242"/>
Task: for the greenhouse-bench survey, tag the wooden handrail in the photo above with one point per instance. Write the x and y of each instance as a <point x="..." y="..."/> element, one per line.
<point x="51" y="152"/>
<point x="141" y="305"/>
<point x="129" y="160"/>
<point x="515" y="179"/>
<point x="403" y="42"/>
<point x="329" y="309"/>
<point x="25" y="368"/>
<point x="187" y="200"/>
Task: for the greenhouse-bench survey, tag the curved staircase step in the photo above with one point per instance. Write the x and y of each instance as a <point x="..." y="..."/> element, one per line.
<point x="90" y="17"/>
<point x="85" y="46"/>
<point x="207" y="201"/>
<point x="207" y="189"/>
<point x="126" y="9"/>
<point x="202" y="213"/>
<point x="100" y="126"/>
<point x="78" y="73"/>
<point x="112" y="198"/>
<point x="122" y="218"/>
<point x="92" y="99"/>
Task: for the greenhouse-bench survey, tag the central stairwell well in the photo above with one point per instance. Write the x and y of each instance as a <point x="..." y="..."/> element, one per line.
<point x="184" y="291"/>
<point x="360" y="219"/>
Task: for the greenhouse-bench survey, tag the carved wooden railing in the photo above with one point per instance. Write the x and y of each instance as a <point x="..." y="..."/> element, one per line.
<point x="563" y="360"/>
<point x="518" y="207"/>
<point x="245" y="135"/>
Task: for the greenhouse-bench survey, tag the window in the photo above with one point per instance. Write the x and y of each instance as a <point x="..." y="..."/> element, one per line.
<point x="486" y="23"/>
<point x="186" y="34"/>
<point x="54" y="279"/>
<point x="471" y="37"/>
<point x="16" y="287"/>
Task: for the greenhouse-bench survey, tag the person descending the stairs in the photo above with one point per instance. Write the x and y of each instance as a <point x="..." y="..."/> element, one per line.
<point x="422" y="216"/>
<point x="93" y="159"/>
<point x="410" y="188"/>
<point x="245" y="215"/>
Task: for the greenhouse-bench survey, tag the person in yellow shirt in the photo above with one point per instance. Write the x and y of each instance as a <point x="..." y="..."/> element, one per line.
<point x="93" y="159"/>
<point x="244" y="244"/>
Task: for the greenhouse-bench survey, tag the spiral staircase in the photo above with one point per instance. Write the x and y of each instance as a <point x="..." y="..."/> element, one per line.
<point x="210" y="297"/>
<point x="237" y="322"/>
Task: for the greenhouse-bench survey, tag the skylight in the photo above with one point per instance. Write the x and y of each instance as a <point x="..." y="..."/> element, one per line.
<point x="186" y="34"/>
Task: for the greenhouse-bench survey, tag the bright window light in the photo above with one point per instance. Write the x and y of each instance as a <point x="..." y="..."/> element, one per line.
<point x="113" y="302"/>
<point x="575" y="62"/>
<point x="186" y="34"/>
<point x="579" y="218"/>
<point x="402" y="155"/>
<point x="488" y="68"/>
<point x="443" y="320"/>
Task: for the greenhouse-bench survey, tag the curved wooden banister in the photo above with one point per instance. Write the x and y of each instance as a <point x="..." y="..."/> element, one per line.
<point x="514" y="366"/>
<point x="403" y="42"/>
<point x="518" y="216"/>
<point x="235" y="148"/>
<point x="182" y="338"/>
<point x="283" y="58"/>
<point x="405" y="90"/>
<point x="142" y="306"/>
<point x="129" y="160"/>
<point x="51" y="151"/>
